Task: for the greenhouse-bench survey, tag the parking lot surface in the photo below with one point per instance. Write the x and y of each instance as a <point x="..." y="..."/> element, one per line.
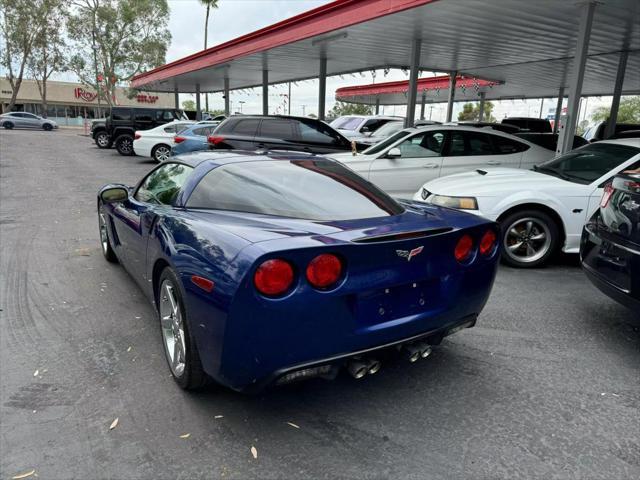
<point x="546" y="386"/>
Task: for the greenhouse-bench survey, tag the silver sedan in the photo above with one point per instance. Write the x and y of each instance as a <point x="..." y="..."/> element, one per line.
<point x="25" y="120"/>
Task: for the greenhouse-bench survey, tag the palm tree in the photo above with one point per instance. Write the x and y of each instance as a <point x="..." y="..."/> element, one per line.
<point x="209" y="4"/>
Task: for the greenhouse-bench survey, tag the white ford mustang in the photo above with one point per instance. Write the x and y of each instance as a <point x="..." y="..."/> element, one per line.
<point x="542" y="209"/>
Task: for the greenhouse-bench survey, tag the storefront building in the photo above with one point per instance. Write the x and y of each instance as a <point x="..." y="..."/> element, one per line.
<point x="70" y="103"/>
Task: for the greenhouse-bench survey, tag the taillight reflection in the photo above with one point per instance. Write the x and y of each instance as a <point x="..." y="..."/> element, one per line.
<point x="464" y="249"/>
<point x="487" y="243"/>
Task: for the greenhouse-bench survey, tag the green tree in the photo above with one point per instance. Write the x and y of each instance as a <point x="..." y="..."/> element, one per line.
<point x="47" y="55"/>
<point x="21" y="22"/>
<point x="628" y="112"/>
<point x="188" y="105"/>
<point x="342" y="108"/>
<point x="471" y="112"/>
<point x="209" y="4"/>
<point x="117" y="39"/>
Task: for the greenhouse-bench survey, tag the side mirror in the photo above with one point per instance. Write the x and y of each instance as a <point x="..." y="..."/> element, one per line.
<point x="114" y="194"/>
<point x="364" y="130"/>
<point x="394" y="153"/>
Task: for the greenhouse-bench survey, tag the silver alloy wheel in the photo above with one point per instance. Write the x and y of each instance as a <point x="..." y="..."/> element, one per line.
<point x="126" y="145"/>
<point x="172" y="328"/>
<point x="104" y="235"/>
<point x="102" y="140"/>
<point x="527" y="240"/>
<point x="162" y="153"/>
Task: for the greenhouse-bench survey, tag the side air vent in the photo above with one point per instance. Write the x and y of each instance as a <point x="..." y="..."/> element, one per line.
<point x="403" y="236"/>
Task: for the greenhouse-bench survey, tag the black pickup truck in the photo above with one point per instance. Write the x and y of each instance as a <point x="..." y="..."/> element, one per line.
<point x="122" y="123"/>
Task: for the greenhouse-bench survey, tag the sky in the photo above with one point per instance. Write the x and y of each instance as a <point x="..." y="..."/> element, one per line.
<point x="238" y="17"/>
<point x="234" y="18"/>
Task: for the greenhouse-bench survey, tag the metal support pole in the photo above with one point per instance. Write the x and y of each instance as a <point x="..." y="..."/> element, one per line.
<point x="176" y="98"/>
<point x="481" y="107"/>
<point x="568" y="129"/>
<point x="289" y="100"/>
<point x="452" y="95"/>
<point x="377" y="105"/>
<point x="556" y="121"/>
<point x="322" y="87"/>
<point x="198" y="112"/>
<point x="265" y="92"/>
<point x="541" y="106"/>
<point x="422" y="104"/>
<point x="227" y="108"/>
<point x="412" y="95"/>
<point x="617" y="93"/>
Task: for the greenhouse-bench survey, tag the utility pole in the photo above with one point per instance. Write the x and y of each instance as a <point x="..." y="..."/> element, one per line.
<point x="304" y="108"/>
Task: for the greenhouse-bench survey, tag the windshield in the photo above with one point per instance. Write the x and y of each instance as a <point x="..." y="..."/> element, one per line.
<point x="347" y="123"/>
<point x="378" y="147"/>
<point x="314" y="189"/>
<point x="588" y="163"/>
<point x="387" y="130"/>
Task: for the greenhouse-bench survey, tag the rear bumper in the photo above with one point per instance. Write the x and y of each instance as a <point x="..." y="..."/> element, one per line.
<point x="612" y="267"/>
<point x="336" y="362"/>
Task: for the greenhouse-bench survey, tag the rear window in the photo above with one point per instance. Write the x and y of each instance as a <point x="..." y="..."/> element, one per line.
<point x="246" y="127"/>
<point x="277" y="128"/>
<point x="347" y="123"/>
<point x="311" y="189"/>
<point x="505" y="146"/>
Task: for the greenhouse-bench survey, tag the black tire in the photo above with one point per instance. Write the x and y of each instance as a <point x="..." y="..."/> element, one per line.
<point x="47" y="127"/>
<point x="102" y="140"/>
<point x="124" y="145"/>
<point x="158" y="152"/>
<point x="527" y="231"/>
<point x="8" y="125"/>
<point x="193" y="376"/>
<point x="105" y="240"/>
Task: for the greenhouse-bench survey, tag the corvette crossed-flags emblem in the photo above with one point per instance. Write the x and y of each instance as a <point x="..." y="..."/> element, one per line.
<point x="409" y="254"/>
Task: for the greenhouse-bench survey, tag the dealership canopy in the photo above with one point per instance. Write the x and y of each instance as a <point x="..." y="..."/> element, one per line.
<point x="535" y="47"/>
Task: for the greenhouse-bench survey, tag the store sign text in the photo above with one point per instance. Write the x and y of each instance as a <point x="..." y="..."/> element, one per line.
<point x="82" y="94"/>
<point x="142" y="98"/>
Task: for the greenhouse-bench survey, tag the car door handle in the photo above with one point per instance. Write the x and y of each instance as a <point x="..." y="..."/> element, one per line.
<point x="493" y="162"/>
<point x="431" y="165"/>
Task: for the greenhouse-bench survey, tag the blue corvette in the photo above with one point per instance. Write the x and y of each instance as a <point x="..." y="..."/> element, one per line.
<point x="266" y="269"/>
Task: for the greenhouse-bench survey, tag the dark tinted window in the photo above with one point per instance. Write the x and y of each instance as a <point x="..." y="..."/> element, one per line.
<point x="118" y="114"/>
<point x="165" y="115"/>
<point x="144" y="116"/>
<point x="426" y="144"/>
<point x="588" y="163"/>
<point x="246" y="127"/>
<point x="505" y="146"/>
<point x="163" y="184"/>
<point x="313" y="132"/>
<point x="310" y="189"/>
<point x="470" y="144"/>
<point x="278" y="128"/>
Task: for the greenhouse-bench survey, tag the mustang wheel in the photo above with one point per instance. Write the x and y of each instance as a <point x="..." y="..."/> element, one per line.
<point x="8" y="125"/>
<point x="124" y="145"/>
<point x="102" y="140"/>
<point x="47" y="127"/>
<point x="105" y="241"/>
<point x="529" y="238"/>
<point x="179" y="346"/>
<point x="161" y="153"/>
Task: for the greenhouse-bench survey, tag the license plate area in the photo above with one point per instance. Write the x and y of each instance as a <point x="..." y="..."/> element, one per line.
<point x="382" y="305"/>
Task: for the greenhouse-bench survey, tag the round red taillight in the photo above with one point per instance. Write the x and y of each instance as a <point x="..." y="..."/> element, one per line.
<point x="273" y="277"/>
<point x="324" y="270"/>
<point x="464" y="249"/>
<point x="487" y="242"/>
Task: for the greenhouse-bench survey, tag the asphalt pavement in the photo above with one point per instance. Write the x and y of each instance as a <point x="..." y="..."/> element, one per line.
<point x="547" y="385"/>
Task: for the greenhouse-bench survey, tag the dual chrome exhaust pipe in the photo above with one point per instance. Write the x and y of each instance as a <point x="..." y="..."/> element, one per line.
<point x="359" y="367"/>
<point x="415" y="351"/>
